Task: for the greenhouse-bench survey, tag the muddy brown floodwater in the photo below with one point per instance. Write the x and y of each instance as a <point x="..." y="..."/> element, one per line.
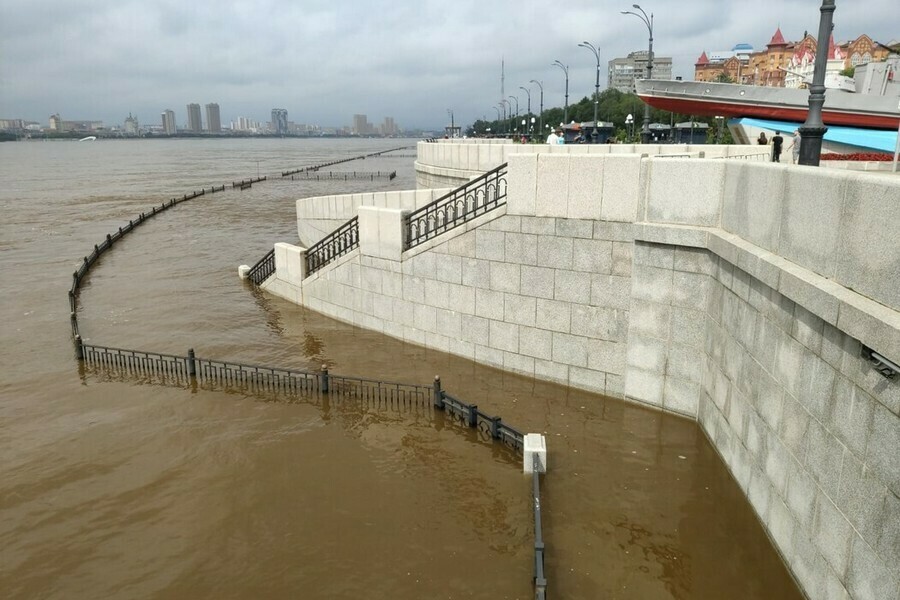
<point x="124" y="489"/>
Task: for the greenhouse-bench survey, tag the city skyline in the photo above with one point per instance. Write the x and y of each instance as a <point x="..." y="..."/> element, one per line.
<point x="324" y="62"/>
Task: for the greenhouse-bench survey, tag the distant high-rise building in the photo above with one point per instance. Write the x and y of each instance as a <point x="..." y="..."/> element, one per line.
<point x="389" y="127"/>
<point x="195" y="123"/>
<point x="279" y="121"/>
<point x="55" y="123"/>
<point x="168" y="122"/>
<point x="213" y="122"/>
<point x="131" y="125"/>
<point x="623" y="71"/>
<point x="361" y="125"/>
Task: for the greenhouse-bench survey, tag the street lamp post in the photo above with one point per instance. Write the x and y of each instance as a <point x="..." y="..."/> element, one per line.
<point x="503" y="104"/>
<point x="813" y="129"/>
<point x="498" y="116"/>
<point x="566" y="71"/>
<point x="528" y="93"/>
<point x="596" y="52"/>
<point x="517" y="106"/>
<point x="541" y="122"/>
<point x="648" y="21"/>
<point x="629" y="125"/>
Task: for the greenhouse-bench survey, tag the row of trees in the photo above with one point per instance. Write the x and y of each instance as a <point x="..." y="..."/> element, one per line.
<point x="614" y="106"/>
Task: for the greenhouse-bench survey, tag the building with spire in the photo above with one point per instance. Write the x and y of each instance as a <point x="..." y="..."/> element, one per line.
<point x="783" y="63"/>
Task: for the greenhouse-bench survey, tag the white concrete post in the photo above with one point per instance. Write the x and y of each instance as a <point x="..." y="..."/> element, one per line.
<point x="534" y="444"/>
<point x="381" y="232"/>
<point x="290" y="263"/>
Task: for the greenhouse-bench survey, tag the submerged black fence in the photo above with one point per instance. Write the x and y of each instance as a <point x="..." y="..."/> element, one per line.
<point x="343" y="175"/>
<point x="190" y="370"/>
<point x="463" y="204"/>
<point x="111" y="238"/>
<point x="314" y="168"/>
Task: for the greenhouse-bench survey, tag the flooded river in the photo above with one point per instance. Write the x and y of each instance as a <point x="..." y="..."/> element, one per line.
<point x="125" y="489"/>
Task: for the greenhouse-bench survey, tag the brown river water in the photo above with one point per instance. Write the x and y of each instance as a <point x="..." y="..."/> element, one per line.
<point x="118" y="488"/>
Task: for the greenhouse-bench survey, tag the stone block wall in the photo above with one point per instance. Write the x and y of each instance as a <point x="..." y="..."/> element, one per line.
<point x="545" y="297"/>
<point x="736" y="294"/>
<point x="811" y="432"/>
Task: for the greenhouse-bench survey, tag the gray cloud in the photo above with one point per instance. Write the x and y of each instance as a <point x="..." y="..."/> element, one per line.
<point x="326" y="60"/>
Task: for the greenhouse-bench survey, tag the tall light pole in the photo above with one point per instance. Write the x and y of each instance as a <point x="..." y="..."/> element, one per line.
<point x="503" y="108"/>
<point x="648" y="21"/>
<point x="452" y="128"/>
<point x="498" y="117"/>
<point x="596" y="52"/>
<point x="813" y="129"/>
<point x="528" y="93"/>
<point x="540" y="85"/>
<point x="565" y="69"/>
<point x="516" y="116"/>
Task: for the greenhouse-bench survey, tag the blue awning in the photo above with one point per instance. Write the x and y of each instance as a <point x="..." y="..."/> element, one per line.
<point x="865" y="139"/>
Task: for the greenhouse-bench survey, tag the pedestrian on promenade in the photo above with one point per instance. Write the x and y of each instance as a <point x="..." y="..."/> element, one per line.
<point x="796" y="149"/>
<point x="761" y="140"/>
<point x="777" y="143"/>
<point x="553" y="138"/>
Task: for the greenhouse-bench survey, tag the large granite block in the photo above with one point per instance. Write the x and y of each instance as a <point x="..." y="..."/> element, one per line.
<point x="868" y="578"/>
<point x="505" y="277"/>
<point x="570" y="349"/>
<point x="752" y="205"/>
<point x="555" y="252"/>
<point x="552" y="186"/>
<point x="868" y="257"/>
<point x="554" y="315"/>
<point x="811" y="219"/>
<point x="521" y="248"/>
<point x="572" y="286"/>
<point x="537" y="343"/>
<point x="621" y="188"/>
<point x="519" y="310"/>
<point x="832" y="533"/>
<point x="644" y="386"/>
<point x="585" y="187"/>
<point x="489" y="245"/>
<point x="537" y="281"/>
<point x="653" y="284"/>
<point x="695" y="204"/>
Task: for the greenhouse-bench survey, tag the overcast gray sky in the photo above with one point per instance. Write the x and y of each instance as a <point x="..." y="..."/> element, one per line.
<point x="325" y="60"/>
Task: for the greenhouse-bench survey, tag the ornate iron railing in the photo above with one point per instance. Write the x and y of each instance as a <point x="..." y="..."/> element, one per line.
<point x="334" y="245"/>
<point x="463" y="204"/>
<point x="263" y="269"/>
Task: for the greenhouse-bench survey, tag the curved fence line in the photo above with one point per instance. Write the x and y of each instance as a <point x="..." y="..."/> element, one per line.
<point x="340" y="161"/>
<point x="191" y="370"/>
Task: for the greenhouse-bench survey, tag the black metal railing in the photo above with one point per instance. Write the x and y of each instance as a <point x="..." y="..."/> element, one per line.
<point x="339" y="242"/>
<point x="470" y="415"/>
<point x="540" y="578"/>
<point x="463" y="204"/>
<point x="263" y="269"/>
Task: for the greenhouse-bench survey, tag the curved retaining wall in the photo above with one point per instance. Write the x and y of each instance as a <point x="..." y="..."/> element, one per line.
<point x="742" y="295"/>
<point x="320" y="215"/>
<point x="454" y="162"/>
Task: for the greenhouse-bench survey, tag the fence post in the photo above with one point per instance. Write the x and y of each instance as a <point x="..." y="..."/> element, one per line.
<point x="472" y="416"/>
<point x="191" y="364"/>
<point x="109" y="240"/>
<point x="323" y="380"/>
<point x="79" y="348"/>
<point x="495" y="428"/>
<point x="438" y="393"/>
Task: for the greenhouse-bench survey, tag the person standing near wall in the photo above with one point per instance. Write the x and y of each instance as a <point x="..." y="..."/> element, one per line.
<point x="777" y="143"/>
<point x="795" y="150"/>
<point x="761" y="140"/>
<point x="553" y="138"/>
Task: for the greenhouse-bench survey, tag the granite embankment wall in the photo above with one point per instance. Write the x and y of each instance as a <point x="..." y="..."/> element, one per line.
<point x="452" y="162"/>
<point x="739" y="294"/>
<point x="319" y="216"/>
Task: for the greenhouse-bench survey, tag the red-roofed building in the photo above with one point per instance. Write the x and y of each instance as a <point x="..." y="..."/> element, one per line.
<point x="770" y="67"/>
